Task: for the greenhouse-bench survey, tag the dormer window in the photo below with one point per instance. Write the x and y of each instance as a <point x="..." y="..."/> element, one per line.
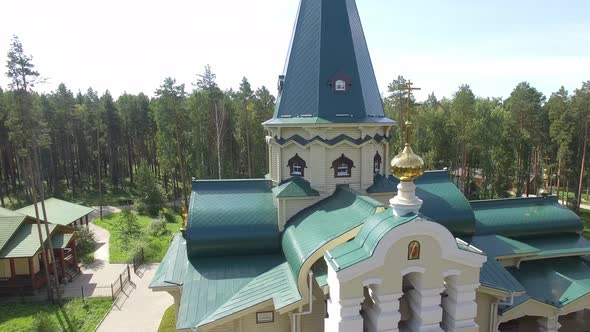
<point x="296" y="166"/>
<point x="377" y="163"/>
<point x="340" y="83"/>
<point x="342" y="167"/>
<point x="340" y="86"/>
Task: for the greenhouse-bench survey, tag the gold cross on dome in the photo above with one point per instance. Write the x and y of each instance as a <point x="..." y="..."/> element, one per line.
<point x="408" y="124"/>
<point x="409" y="88"/>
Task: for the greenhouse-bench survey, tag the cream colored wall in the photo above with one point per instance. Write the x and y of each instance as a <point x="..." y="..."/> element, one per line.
<point x="5" y="268"/>
<point x="228" y="327"/>
<point x="282" y="323"/>
<point x="314" y="321"/>
<point x="21" y="266"/>
<point x="289" y="152"/>
<point x="352" y="153"/>
<point x="484" y="302"/>
<point x="396" y="261"/>
<point x="294" y="206"/>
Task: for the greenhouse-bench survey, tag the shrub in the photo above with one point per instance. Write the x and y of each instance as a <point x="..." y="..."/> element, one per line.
<point x="167" y="215"/>
<point x="128" y="228"/>
<point x="85" y="242"/>
<point x="157" y="227"/>
<point x="150" y="195"/>
<point x="42" y="322"/>
<point x="87" y="259"/>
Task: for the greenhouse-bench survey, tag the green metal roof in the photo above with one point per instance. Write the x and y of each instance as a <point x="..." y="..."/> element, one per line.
<point x="216" y="287"/>
<point x="58" y="212"/>
<point x="320" y="272"/>
<point x="61" y="240"/>
<point x="517" y="217"/>
<point x="232" y="217"/>
<point x="492" y="274"/>
<point x="173" y="266"/>
<point x="559" y="244"/>
<point x="324" y="221"/>
<point x="294" y="187"/>
<point x="25" y="241"/>
<point x="556" y="282"/>
<point x="328" y="44"/>
<point x="443" y="202"/>
<point x="8" y="226"/>
<point x="498" y="245"/>
<point x="364" y="244"/>
<point x="8" y="213"/>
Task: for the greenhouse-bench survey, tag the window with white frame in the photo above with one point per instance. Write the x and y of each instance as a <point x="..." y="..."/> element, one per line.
<point x="297" y="169"/>
<point x="377" y="163"/>
<point x="343" y="170"/>
<point x="342" y="166"/>
<point x="340" y="85"/>
<point x="296" y="166"/>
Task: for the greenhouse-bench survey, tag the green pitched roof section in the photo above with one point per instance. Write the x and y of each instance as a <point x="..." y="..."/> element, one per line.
<point x="8" y="226"/>
<point x="8" y="213"/>
<point x="324" y="221"/>
<point x="173" y="267"/>
<point x="61" y="240"/>
<point x="517" y="217"/>
<point x="58" y="212"/>
<point x="443" y="202"/>
<point x="494" y="275"/>
<point x="232" y="217"/>
<point x="294" y="187"/>
<point x="559" y="244"/>
<point x="364" y="244"/>
<point x="556" y="282"/>
<point x="24" y="242"/>
<point x="500" y="246"/>
<point x="328" y="44"/>
<point x="216" y="287"/>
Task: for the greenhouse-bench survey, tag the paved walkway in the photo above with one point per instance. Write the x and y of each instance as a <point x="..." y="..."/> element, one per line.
<point x="142" y="310"/>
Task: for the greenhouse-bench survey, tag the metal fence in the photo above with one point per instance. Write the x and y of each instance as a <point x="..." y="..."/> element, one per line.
<point x="119" y="285"/>
<point x="138" y="260"/>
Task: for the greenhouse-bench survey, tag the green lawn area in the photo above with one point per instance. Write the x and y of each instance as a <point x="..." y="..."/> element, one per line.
<point x="155" y="247"/>
<point x="168" y="323"/>
<point x="74" y="316"/>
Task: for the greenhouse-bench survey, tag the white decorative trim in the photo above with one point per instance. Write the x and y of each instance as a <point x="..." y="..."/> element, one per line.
<point x="451" y="272"/>
<point x="411" y="269"/>
<point x="417" y="227"/>
<point x="405" y="202"/>
<point x="372" y="281"/>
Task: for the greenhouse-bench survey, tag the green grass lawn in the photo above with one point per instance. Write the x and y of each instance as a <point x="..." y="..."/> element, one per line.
<point x="155" y="247"/>
<point x="168" y="323"/>
<point x="74" y="316"/>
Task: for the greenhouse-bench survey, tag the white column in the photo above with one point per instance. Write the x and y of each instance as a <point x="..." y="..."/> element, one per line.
<point x="459" y="308"/>
<point x="384" y="315"/>
<point x="426" y="309"/>
<point x="548" y="324"/>
<point x="344" y="316"/>
<point x="405" y="201"/>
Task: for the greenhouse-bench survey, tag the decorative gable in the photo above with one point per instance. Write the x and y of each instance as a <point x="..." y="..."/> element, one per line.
<point x="342" y="167"/>
<point x="297" y="166"/>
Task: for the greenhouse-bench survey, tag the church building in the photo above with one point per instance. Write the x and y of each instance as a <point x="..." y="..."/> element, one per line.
<point x="342" y="236"/>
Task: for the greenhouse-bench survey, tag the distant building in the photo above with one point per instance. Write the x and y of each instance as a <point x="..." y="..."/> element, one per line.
<point x="329" y="241"/>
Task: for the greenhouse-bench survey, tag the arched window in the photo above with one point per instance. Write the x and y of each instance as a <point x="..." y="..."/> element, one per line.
<point x="377" y="163"/>
<point x="342" y="167"/>
<point x="414" y="250"/>
<point x="340" y="85"/>
<point x="296" y="166"/>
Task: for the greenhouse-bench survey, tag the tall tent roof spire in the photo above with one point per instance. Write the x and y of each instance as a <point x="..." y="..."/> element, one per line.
<point x="329" y="76"/>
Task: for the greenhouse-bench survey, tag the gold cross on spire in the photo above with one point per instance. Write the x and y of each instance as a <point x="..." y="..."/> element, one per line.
<point x="408" y="124"/>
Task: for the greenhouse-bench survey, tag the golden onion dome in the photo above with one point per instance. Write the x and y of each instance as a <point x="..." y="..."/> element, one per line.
<point x="407" y="165"/>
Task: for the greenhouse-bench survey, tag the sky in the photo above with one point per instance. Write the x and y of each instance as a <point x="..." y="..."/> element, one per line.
<point x="131" y="46"/>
